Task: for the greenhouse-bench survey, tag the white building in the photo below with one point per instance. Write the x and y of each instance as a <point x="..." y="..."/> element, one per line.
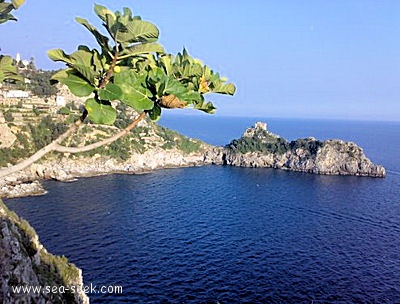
<point x="260" y="125"/>
<point x="60" y="101"/>
<point x="17" y="94"/>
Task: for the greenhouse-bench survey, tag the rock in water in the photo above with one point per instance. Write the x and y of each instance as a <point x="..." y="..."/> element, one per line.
<point x="260" y="148"/>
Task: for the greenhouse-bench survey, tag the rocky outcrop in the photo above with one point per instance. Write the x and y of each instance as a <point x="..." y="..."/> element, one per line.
<point x="12" y="187"/>
<point x="25" y="262"/>
<point x="67" y="169"/>
<point x="260" y="148"/>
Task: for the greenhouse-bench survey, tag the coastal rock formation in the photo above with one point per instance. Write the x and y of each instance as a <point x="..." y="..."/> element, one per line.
<point x="260" y="148"/>
<point x="25" y="262"/>
<point x="67" y="169"/>
<point x="20" y="188"/>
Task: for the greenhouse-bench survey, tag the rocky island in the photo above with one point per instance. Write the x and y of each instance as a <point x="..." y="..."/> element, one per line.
<point x="260" y="148"/>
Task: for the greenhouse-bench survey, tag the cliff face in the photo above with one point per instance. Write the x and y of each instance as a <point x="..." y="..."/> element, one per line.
<point x="24" y="262"/>
<point x="260" y="148"/>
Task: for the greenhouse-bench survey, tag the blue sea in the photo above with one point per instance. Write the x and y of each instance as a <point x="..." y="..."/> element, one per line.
<point x="234" y="235"/>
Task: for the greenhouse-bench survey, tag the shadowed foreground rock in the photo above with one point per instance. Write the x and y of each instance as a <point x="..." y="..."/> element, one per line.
<point x="25" y="262"/>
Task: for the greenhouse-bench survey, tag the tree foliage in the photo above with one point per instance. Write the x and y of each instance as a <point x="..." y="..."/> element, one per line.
<point x="7" y="68"/>
<point x="131" y="67"/>
<point x="262" y="142"/>
<point x="7" y="7"/>
<point x="255" y="144"/>
<point x="40" y="82"/>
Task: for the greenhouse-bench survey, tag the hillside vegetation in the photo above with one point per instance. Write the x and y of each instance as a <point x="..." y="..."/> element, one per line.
<point x="260" y="140"/>
<point x="33" y="131"/>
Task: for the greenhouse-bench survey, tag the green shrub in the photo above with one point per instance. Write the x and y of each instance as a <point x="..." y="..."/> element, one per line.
<point x="8" y="116"/>
<point x="64" y="111"/>
<point x="40" y="82"/>
<point x="47" y="131"/>
<point x="259" y="144"/>
<point x="188" y="145"/>
<point x="71" y="105"/>
<point x="36" y="111"/>
<point x="306" y="144"/>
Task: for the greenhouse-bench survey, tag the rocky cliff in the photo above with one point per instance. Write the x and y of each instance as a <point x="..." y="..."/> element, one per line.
<point x="25" y="262"/>
<point x="260" y="148"/>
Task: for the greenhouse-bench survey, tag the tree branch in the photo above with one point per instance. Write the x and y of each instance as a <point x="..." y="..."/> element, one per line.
<point x="55" y="145"/>
<point x="110" y="71"/>
<point x="107" y="141"/>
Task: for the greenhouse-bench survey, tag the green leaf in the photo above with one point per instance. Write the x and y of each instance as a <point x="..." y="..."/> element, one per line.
<point x="191" y="70"/>
<point x="127" y="13"/>
<point x="80" y="60"/>
<point x="228" y="88"/>
<point x="207" y="107"/>
<point x="59" y="55"/>
<point x="76" y="84"/>
<point x="8" y="70"/>
<point x="100" y="112"/>
<point x="155" y="113"/>
<point x="99" y="62"/>
<point x="104" y="13"/>
<point x="136" y="31"/>
<point x="156" y="80"/>
<point x="144" y="48"/>
<point x="5" y="9"/>
<point x="173" y="86"/>
<point x="110" y="92"/>
<point x="101" y="39"/>
<point x="134" y="91"/>
<point x="192" y="97"/>
<point x="166" y="62"/>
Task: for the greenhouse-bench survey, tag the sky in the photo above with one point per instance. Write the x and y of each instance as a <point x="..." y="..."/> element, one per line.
<point x="335" y="59"/>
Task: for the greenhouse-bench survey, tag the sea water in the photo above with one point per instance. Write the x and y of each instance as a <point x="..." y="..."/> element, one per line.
<point x="234" y="235"/>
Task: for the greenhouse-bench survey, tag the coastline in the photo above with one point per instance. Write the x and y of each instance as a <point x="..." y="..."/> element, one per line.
<point x="27" y="182"/>
<point x="256" y="148"/>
